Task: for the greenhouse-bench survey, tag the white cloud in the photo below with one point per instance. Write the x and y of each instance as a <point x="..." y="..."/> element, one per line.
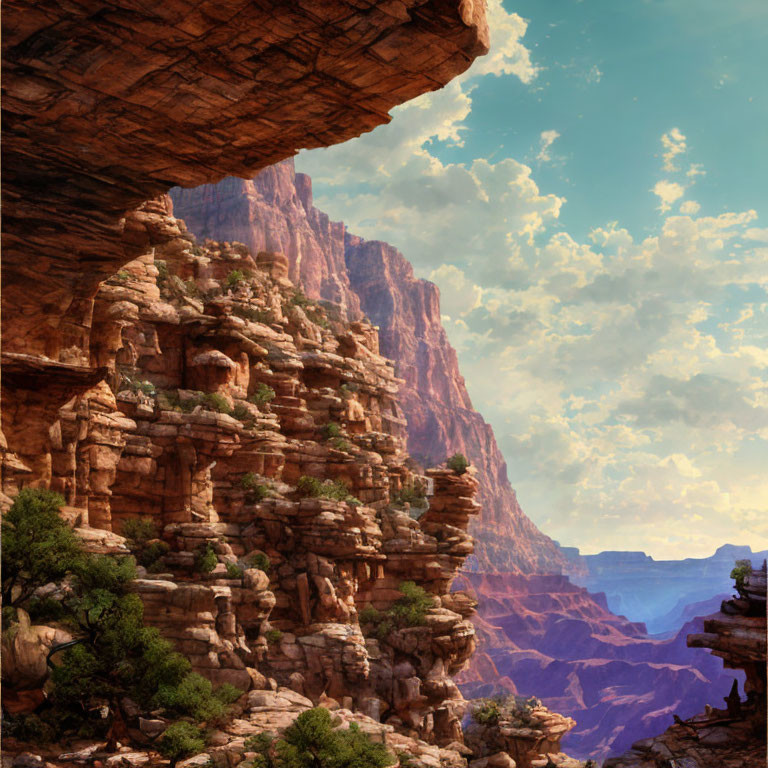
<point x="546" y="140"/>
<point x="674" y="143"/>
<point x="667" y="192"/>
<point x="627" y="390"/>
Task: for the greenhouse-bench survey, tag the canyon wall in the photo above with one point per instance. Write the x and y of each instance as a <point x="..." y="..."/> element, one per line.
<point x="108" y="104"/>
<point x="544" y="636"/>
<point x="275" y="210"/>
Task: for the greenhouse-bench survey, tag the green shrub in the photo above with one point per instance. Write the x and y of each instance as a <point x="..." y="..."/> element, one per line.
<point x="236" y="278"/>
<point x="180" y="740"/>
<point x="31" y="728"/>
<point x="263" y="394"/>
<point x="331" y="430"/>
<point x="315" y="316"/>
<point x="123" y="276"/>
<point x="38" y="546"/>
<point x="255" y="491"/>
<point x="260" y="561"/>
<point x="142" y="540"/>
<point x="340" y="444"/>
<point x="162" y="272"/>
<point x="46" y="609"/>
<point x="234" y="571"/>
<point x="263" y="745"/>
<point x="206" y="559"/>
<point x="299" y="299"/>
<point x="458" y="463"/>
<point x="195" y="696"/>
<point x="215" y="402"/>
<point x="273" y="636"/>
<point x="414" y="494"/>
<point x="136" y="385"/>
<point x="348" y="388"/>
<point x="312" y="487"/>
<point x="369" y="615"/>
<point x="487" y="712"/>
<point x="254" y="314"/>
<point x="741" y="570"/>
<point x="312" y="741"/>
<point x="241" y="413"/>
<point x="409" y="611"/>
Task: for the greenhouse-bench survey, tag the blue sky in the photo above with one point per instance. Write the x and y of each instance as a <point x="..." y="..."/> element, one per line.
<point x="590" y="199"/>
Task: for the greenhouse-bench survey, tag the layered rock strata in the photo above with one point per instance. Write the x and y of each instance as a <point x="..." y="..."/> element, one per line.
<point x="729" y="737"/>
<point x="546" y="637"/>
<point x="195" y="341"/>
<point x="108" y="104"/>
<point x="275" y="211"/>
<point x="529" y="734"/>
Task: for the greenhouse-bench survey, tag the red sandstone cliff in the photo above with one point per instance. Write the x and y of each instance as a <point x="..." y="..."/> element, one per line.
<point x="275" y="211"/>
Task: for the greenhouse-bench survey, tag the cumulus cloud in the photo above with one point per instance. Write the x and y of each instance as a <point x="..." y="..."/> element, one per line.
<point x="626" y="386"/>
<point x="667" y="192"/>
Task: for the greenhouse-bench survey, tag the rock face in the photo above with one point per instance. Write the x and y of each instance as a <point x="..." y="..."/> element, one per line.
<point x="543" y="636"/>
<point x="108" y="104"/>
<point x="274" y="210"/>
<point x="182" y="431"/>
<point x="734" y="737"/>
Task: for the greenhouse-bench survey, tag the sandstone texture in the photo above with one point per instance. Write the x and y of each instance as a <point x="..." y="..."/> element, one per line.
<point x="108" y="104"/>
<point x="189" y="336"/>
<point x="275" y="211"/>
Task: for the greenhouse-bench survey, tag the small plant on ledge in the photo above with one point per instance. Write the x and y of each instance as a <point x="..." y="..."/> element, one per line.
<point x="331" y="430"/>
<point x="206" y="559"/>
<point x="234" y="571"/>
<point x="142" y="538"/>
<point x="260" y="561"/>
<point x="409" y="611"/>
<point x="273" y="636"/>
<point x="236" y="278"/>
<point x="487" y="713"/>
<point x="742" y="569"/>
<point x="255" y="490"/>
<point x="264" y="394"/>
<point x="336" y="490"/>
<point x="458" y="463"/>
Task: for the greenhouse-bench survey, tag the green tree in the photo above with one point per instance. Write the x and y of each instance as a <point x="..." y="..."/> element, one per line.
<point x="311" y="741"/>
<point x="114" y="654"/>
<point x="180" y="740"/>
<point x="142" y="539"/>
<point x="38" y="546"/>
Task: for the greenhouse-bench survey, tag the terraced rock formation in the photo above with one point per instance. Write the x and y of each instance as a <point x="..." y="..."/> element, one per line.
<point x="275" y="211"/>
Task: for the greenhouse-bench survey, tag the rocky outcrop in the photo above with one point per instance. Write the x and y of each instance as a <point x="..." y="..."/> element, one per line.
<point x="523" y="730"/>
<point x="730" y="737"/>
<point x="275" y="211"/>
<point x="543" y="636"/>
<point x="214" y="421"/>
<point x="107" y="105"/>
